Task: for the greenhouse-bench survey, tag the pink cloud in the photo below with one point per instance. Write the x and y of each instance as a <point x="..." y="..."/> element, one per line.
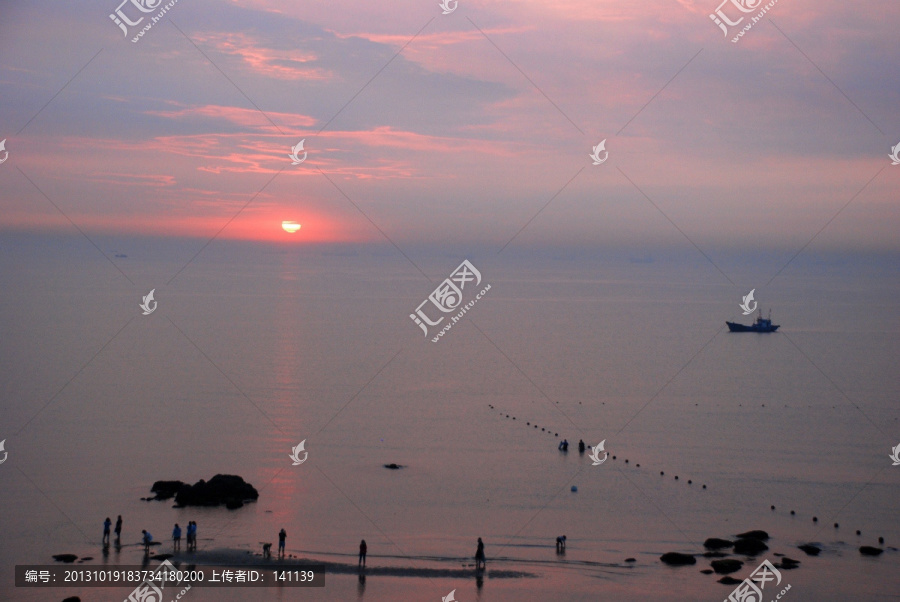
<point x="239" y="116"/>
<point x="290" y="64"/>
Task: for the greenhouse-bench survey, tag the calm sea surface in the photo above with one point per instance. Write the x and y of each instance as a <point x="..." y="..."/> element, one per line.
<point x="255" y="348"/>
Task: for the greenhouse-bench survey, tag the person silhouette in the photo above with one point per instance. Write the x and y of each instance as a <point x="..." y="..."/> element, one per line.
<point x="176" y="537"/>
<point x="580" y="446"/>
<point x="106" y="525"/>
<point x="118" y="528"/>
<point x="479" y="556"/>
<point x="148" y="539"/>
<point x="561" y="544"/>
<point x="282" y="535"/>
<point x="191" y="535"/>
<point x="362" y="553"/>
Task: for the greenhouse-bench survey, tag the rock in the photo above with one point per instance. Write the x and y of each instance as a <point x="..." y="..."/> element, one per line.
<point x="707" y="571"/>
<point x="810" y="549"/>
<point x="730" y="581"/>
<point x="221" y="489"/>
<point x="165" y="490"/>
<point x="630" y="560"/>
<point x="393" y="466"/>
<point x="714" y="554"/>
<point x="65" y="557"/>
<point x="787" y="564"/>
<point x="234" y="504"/>
<point x="85" y="559"/>
<point x="714" y="543"/>
<point x="726" y="567"/>
<point x="756" y="534"/>
<point x="677" y="559"/>
<point x="749" y="547"/>
<point x="870" y="551"/>
<point x="72" y="599"/>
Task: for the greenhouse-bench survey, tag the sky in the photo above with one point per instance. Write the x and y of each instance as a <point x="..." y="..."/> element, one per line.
<point x="471" y="127"/>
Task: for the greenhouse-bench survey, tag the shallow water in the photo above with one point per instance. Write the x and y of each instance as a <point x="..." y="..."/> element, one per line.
<point x="255" y="348"/>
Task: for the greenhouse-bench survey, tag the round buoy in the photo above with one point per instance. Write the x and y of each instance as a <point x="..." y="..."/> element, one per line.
<point x="574" y="488"/>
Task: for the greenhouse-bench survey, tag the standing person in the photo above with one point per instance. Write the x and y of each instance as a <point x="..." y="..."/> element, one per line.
<point x="194" y="535"/>
<point x="479" y="556"/>
<point x="176" y="537"/>
<point x="147" y="540"/>
<point x="106" y="525"/>
<point x="362" y="553"/>
<point x="282" y="535"/>
<point x="580" y="446"/>
<point x="190" y="535"/>
<point x="118" y="528"/>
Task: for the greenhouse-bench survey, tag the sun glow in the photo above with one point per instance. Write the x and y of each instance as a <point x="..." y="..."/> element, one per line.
<point x="290" y="227"/>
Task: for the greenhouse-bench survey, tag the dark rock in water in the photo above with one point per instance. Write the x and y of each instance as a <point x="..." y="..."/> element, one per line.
<point x="65" y="557"/>
<point x="870" y="551"/>
<point x="221" y="489"/>
<point x="749" y="547"/>
<point x="72" y="599"/>
<point x="714" y="543"/>
<point x="756" y="534"/>
<point x="86" y="558"/>
<point x="787" y="564"/>
<point x="726" y="567"/>
<point x="630" y="560"/>
<point x="729" y="581"/>
<point x="810" y="549"/>
<point x="714" y="554"/>
<point x="234" y="504"/>
<point x="707" y="571"/>
<point x="165" y="490"/>
<point x="677" y="559"/>
<point x="393" y="466"/>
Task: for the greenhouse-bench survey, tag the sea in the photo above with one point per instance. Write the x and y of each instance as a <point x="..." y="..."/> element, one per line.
<point x="253" y="348"/>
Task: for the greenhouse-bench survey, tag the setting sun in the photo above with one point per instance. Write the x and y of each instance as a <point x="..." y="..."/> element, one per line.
<point x="290" y="227"/>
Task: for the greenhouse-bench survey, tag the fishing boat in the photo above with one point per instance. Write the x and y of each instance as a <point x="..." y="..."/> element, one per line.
<point x="761" y="325"/>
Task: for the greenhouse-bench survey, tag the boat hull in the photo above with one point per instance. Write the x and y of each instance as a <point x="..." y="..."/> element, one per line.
<point x="735" y="327"/>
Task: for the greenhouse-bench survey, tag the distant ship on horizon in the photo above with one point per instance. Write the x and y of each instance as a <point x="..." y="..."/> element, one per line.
<point x="761" y="325"/>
